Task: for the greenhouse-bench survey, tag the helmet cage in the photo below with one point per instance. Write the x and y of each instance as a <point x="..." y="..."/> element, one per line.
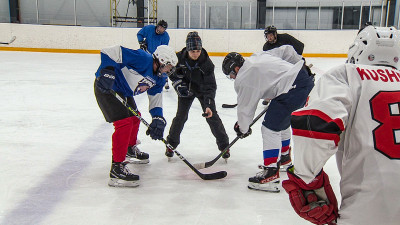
<point x="165" y="55"/>
<point x="270" y="30"/>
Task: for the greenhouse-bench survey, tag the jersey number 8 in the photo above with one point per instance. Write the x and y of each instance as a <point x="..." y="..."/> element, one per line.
<point x="385" y="109"/>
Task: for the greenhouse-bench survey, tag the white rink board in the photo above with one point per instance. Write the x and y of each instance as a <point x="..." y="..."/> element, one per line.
<point x="96" y="38"/>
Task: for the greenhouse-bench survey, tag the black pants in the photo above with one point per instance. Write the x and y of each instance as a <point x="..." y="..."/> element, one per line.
<point x="215" y="123"/>
<point x="111" y="107"/>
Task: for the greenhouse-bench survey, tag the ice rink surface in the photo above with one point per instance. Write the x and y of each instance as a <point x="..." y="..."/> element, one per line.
<point x="56" y="154"/>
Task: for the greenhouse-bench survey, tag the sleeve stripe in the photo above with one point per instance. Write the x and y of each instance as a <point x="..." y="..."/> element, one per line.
<point x="317" y="135"/>
<point x="316" y="124"/>
<point x="321" y="115"/>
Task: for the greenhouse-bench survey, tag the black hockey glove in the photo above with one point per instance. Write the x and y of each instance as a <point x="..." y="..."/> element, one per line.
<point x="239" y="133"/>
<point x="181" y="88"/>
<point x="156" y="128"/>
<point x="308" y="68"/>
<point x="143" y="45"/>
<point x="106" y="79"/>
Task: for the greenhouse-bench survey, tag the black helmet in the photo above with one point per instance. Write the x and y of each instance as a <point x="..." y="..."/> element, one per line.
<point x="162" y="23"/>
<point x="270" y="30"/>
<point x="231" y="61"/>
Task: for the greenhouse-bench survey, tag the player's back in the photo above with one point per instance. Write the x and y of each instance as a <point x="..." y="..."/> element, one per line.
<point x="370" y="163"/>
<point x="354" y="111"/>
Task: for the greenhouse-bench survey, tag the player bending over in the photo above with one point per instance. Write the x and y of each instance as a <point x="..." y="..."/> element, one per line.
<point x="131" y="72"/>
<point x="280" y="76"/>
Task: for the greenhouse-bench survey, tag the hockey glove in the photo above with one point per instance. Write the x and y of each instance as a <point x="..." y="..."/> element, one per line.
<point x="239" y="133"/>
<point x="308" y="68"/>
<point x="181" y="88"/>
<point x="143" y="45"/>
<point x="316" y="201"/>
<point x="156" y="128"/>
<point x="106" y="80"/>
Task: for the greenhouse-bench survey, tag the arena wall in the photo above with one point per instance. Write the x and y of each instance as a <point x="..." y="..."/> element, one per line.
<point x="77" y="39"/>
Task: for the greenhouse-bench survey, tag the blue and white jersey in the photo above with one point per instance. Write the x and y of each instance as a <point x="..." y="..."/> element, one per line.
<point x="134" y="68"/>
<point x="153" y="40"/>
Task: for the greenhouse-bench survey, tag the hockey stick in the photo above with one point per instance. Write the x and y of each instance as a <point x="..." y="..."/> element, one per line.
<point x="229" y="105"/>
<point x="211" y="176"/>
<point x="11" y="41"/>
<point x="210" y="163"/>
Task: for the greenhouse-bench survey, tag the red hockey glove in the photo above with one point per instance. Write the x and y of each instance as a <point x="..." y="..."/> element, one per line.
<point x="315" y="202"/>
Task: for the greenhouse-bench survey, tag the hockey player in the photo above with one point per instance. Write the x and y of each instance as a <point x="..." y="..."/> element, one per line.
<point x="353" y="112"/>
<point x="131" y="72"/>
<point x="273" y="40"/>
<point x="150" y="37"/>
<point x="278" y="75"/>
<point x="194" y="78"/>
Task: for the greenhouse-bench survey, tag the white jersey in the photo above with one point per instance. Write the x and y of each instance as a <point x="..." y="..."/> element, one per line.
<point x="264" y="75"/>
<point x="354" y="111"/>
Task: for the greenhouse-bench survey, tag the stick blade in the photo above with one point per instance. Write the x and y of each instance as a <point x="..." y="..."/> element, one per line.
<point x="11" y="41"/>
<point x="229" y="105"/>
<point x="215" y="176"/>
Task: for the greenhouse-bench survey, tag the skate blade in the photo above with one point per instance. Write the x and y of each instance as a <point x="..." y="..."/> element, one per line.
<point x="283" y="168"/>
<point x="169" y="159"/>
<point x="226" y="160"/>
<point x="114" y="182"/>
<point x="137" y="161"/>
<point x="267" y="187"/>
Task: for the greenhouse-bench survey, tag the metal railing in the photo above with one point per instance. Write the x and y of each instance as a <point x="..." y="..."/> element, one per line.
<point x="213" y="14"/>
<point x="283" y="14"/>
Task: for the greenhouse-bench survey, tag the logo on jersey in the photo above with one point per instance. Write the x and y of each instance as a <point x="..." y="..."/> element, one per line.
<point x="144" y="84"/>
<point x="109" y="76"/>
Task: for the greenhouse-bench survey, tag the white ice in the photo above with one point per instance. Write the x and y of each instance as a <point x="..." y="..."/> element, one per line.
<point x="55" y="154"/>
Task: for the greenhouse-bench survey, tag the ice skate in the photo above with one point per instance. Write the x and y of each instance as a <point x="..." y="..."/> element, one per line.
<point x="120" y="176"/>
<point x="169" y="153"/>
<point x="266" y="180"/>
<point x="134" y="155"/>
<point x="286" y="161"/>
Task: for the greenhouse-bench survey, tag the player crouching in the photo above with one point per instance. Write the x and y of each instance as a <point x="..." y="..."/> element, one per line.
<point x="125" y="73"/>
<point x="277" y="75"/>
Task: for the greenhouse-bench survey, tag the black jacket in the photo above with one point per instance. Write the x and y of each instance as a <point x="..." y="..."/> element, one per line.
<point x="198" y="75"/>
<point x="285" y="39"/>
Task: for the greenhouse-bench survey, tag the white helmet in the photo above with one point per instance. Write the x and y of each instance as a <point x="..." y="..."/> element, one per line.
<point x="376" y="46"/>
<point x="165" y="55"/>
